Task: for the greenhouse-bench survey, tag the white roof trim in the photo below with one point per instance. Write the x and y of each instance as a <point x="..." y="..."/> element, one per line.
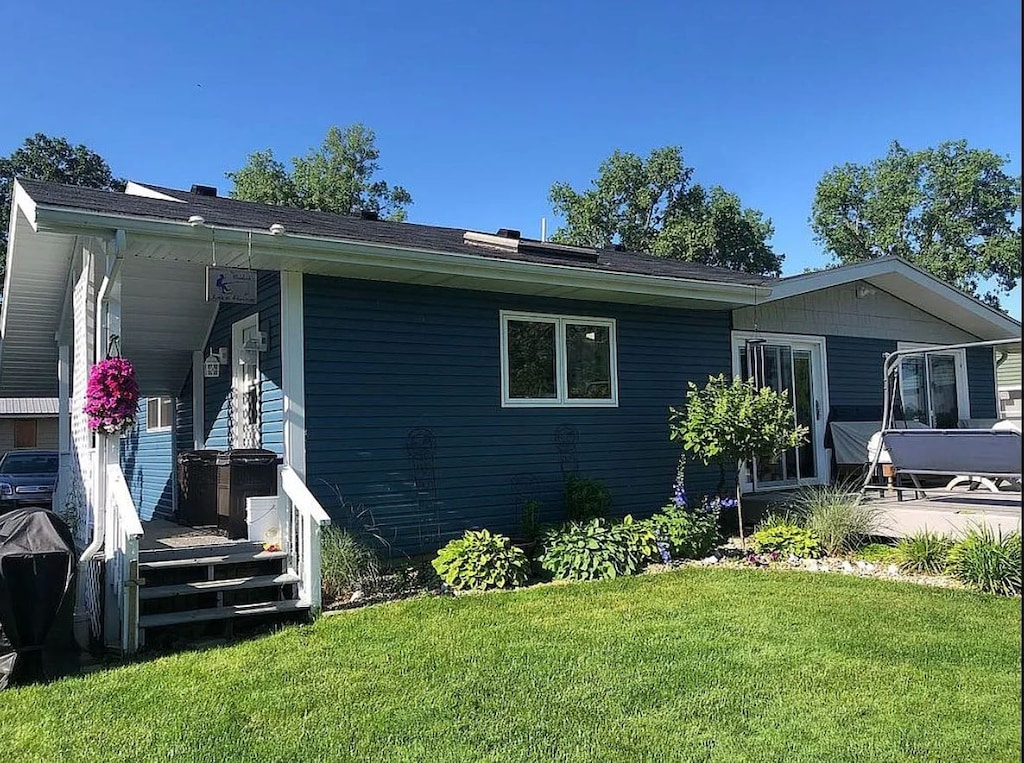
<point x="886" y="272"/>
<point x="314" y="248"/>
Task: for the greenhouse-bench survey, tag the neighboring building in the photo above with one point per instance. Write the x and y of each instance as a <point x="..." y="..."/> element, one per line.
<point x="1008" y="376"/>
<point x="28" y="423"/>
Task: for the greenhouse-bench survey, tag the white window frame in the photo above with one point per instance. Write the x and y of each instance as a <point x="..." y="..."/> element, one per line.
<point x="162" y="426"/>
<point x="561" y="399"/>
<point x="963" y="390"/>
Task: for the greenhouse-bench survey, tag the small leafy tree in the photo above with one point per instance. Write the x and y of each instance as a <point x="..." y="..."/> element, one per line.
<point x="732" y="423"/>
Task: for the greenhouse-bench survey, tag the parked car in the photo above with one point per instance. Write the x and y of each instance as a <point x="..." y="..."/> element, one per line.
<point x="28" y="478"/>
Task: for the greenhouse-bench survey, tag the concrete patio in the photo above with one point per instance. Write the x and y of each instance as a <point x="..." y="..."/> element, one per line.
<point x="949" y="513"/>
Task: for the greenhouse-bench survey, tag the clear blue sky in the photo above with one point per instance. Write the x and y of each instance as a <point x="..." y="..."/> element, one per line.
<point x="478" y="108"/>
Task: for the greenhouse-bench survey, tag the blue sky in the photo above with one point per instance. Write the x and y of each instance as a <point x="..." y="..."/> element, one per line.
<point x="478" y="107"/>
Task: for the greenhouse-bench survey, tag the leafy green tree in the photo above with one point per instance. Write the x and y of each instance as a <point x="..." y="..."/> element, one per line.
<point x="336" y="177"/>
<point x="652" y="205"/>
<point x="730" y="424"/>
<point x="42" y="157"/>
<point x="952" y="210"/>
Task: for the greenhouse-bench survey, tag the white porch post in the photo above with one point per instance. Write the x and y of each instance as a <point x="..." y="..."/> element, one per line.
<point x="293" y="372"/>
<point x="108" y="324"/>
<point x="198" y="401"/>
<point x="65" y="474"/>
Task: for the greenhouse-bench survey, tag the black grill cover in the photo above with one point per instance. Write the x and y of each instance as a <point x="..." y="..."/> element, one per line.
<point x="38" y="568"/>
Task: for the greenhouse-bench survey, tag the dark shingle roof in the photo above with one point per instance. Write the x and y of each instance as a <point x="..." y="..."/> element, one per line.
<point x="221" y="211"/>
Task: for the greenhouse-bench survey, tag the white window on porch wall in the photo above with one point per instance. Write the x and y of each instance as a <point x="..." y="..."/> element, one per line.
<point x="933" y="387"/>
<point x="159" y="414"/>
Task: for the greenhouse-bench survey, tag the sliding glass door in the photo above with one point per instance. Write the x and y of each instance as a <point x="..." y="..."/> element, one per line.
<point x="793" y="366"/>
<point x="933" y="389"/>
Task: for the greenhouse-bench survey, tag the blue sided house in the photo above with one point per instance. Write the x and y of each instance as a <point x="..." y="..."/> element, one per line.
<point x="416" y="381"/>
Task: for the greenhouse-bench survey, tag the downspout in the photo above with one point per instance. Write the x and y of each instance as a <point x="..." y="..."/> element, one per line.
<point x="99" y="517"/>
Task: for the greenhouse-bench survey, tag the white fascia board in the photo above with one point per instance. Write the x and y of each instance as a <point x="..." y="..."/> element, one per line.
<point x="892" y="266"/>
<point x="384" y="257"/>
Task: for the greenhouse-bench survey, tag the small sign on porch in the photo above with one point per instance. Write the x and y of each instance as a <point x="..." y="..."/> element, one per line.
<point x="233" y="285"/>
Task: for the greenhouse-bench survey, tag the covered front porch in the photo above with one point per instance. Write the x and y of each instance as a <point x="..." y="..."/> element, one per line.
<point x="77" y="293"/>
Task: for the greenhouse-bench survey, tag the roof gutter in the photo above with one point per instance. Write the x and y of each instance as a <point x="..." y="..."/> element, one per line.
<point x="390" y="257"/>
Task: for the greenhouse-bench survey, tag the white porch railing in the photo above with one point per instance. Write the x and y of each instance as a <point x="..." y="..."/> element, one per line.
<point x="305" y="518"/>
<point x="124" y="531"/>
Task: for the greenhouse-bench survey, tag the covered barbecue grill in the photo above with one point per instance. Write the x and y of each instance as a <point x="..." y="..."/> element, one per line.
<point x="38" y="567"/>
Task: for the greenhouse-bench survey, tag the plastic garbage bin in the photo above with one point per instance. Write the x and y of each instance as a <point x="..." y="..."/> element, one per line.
<point x="243" y="473"/>
<point x="197" y="488"/>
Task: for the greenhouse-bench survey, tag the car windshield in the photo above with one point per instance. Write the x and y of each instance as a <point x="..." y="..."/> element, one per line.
<point x="29" y="463"/>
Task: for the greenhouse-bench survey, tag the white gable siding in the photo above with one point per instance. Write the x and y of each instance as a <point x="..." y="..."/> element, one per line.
<point x="839" y="311"/>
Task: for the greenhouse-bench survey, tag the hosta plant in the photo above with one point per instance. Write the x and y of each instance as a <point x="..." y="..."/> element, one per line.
<point x="597" y="549"/>
<point x="480" y="560"/>
<point x="786" y="538"/>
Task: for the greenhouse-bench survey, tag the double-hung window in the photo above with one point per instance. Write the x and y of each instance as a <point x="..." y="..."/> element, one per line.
<point x="557" y="360"/>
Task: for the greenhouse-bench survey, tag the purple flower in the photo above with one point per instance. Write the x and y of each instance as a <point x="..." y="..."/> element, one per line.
<point x="679" y="486"/>
<point x="663" y="550"/>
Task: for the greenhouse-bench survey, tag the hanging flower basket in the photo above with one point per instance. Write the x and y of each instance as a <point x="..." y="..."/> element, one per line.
<point x="112" y="396"/>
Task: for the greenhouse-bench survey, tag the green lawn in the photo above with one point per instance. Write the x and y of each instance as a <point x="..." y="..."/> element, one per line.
<point x="703" y="665"/>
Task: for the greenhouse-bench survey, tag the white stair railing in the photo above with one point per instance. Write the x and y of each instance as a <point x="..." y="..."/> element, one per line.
<point x="305" y="518"/>
<point x="122" y="557"/>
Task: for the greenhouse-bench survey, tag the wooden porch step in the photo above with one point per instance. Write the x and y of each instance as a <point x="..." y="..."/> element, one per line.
<point x="202" y="559"/>
<point x="223" y="613"/>
<point x="191" y="552"/>
<point x="212" y="586"/>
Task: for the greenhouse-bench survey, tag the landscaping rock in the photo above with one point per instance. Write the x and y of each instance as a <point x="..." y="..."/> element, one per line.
<point x="709" y="560"/>
<point x="892" y="570"/>
<point x="356" y="596"/>
<point x="847" y="567"/>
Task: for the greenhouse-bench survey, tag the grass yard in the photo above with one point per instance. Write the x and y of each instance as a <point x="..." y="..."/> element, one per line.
<point x="702" y="665"/>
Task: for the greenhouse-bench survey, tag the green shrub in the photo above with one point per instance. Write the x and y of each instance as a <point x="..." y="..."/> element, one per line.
<point x="597" y="549"/>
<point x="840" y="519"/>
<point x="987" y="561"/>
<point x="879" y="553"/>
<point x="346" y="565"/>
<point x="686" y="534"/>
<point x="923" y="551"/>
<point x="586" y="499"/>
<point x="529" y="519"/>
<point x="480" y="560"/>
